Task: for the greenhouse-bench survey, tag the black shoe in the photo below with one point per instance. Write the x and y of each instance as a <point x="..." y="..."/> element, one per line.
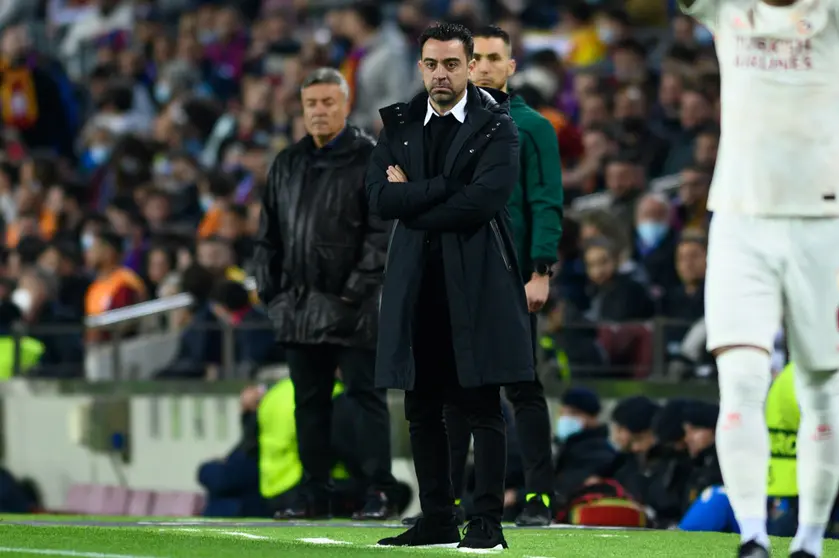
<point x="376" y="508"/>
<point x="752" y="549"/>
<point x="459" y="512"/>
<point x="535" y="514"/>
<point x="425" y="533"/>
<point x="306" y="507"/>
<point x="484" y="534"/>
<point x="801" y="554"/>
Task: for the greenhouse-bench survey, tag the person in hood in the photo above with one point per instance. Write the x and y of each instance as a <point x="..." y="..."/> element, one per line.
<point x="583" y="440"/>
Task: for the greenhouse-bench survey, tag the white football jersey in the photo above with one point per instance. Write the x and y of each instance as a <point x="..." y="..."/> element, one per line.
<point x="779" y="150"/>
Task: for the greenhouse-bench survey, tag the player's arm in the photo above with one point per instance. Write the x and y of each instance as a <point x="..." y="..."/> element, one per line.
<point x="268" y="247"/>
<point x="704" y="11"/>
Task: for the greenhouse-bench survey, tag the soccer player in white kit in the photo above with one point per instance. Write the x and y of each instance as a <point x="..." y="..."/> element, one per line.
<point x="774" y="248"/>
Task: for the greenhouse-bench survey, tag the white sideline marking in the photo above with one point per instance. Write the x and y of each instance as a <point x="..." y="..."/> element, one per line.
<point x="244" y="535"/>
<point x="495" y="550"/>
<point x="322" y="541"/>
<point x="74" y="553"/>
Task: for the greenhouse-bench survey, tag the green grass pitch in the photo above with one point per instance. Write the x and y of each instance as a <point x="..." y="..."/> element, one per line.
<point x="161" y="538"/>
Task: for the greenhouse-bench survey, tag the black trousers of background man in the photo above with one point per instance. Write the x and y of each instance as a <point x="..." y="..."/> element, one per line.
<point x="436" y="386"/>
<point x="533" y="425"/>
<point x="312" y="369"/>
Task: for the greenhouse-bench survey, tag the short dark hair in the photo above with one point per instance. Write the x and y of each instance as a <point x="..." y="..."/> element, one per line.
<point x="694" y="237"/>
<point x="111" y="239"/>
<point x="368" y="12"/>
<point x="197" y="281"/>
<point x="493" y="32"/>
<point x="632" y="45"/>
<point x="449" y="32"/>
<point x="709" y="129"/>
<point x="230" y="294"/>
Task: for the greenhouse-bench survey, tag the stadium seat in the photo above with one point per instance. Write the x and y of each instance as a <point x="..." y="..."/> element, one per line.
<point x="78" y="499"/>
<point x="177" y="504"/>
<point x="629" y="347"/>
<point x="140" y="502"/>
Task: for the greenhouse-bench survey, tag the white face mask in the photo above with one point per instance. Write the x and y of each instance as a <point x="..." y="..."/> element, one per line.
<point x="87" y="241"/>
<point x="22" y="298"/>
<point x="206" y="203"/>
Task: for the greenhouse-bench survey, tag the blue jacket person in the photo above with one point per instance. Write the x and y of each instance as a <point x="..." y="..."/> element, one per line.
<point x="454" y="322"/>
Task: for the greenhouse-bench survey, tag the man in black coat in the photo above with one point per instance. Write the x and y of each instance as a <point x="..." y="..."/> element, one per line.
<point x="454" y="318"/>
<point x="319" y="257"/>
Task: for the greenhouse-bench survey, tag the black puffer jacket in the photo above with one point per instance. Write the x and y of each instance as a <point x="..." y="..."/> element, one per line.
<point x="319" y="255"/>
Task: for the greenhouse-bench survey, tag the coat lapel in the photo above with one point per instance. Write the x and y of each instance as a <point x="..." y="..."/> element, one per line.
<point x="476" y="118"/>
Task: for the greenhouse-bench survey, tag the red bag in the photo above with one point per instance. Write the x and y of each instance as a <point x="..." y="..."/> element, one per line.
<point x="603" y="504"/>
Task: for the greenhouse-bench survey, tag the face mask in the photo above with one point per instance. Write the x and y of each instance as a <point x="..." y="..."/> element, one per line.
<point x="23" y="300"/>
<point x="162" y="92"/>
<point x="98" y="154"/>
<point x="651" y="232"/>
<point x="87" y="241"/>
<point x="567" y="426"/>
<point x="207" y="36"/>
<point x="703" y="35"/>
<point x="606" y="34"/>
<point x="206" y="203"/>
<point x="614" y="445"/>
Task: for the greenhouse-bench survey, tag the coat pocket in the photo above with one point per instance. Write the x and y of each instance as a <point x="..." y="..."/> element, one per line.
<point x="493" y="224"/>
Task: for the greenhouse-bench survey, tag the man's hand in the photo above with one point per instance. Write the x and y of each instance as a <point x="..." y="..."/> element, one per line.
<point x="537" y="290"/>
<point x="396" y="174"/>
<point x="250" y="398"/>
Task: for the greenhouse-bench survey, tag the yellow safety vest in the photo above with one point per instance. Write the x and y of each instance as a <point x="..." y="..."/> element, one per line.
<point x="547" y="343"/>
<point x="31" y="351"/>
<point x="280" y="468"/>
<point x="783" y="417"/>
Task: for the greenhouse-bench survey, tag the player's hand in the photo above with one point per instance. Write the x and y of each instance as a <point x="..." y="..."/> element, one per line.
<point x="396" y="174"/>
<point x="537" y="290"/>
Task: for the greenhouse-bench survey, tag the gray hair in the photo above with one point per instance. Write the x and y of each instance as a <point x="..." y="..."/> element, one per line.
<point x="327" y="76"/>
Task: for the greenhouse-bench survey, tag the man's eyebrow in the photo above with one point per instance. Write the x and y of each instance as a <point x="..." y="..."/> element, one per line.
<point x="445" y="60"/>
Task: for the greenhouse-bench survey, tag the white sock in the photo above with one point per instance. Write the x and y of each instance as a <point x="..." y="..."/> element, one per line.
<point x="818" y="456"/>
<point x="743" y="438"/>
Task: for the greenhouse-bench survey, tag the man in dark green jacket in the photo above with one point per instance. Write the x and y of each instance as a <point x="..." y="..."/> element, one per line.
<point x="536" y="212"/>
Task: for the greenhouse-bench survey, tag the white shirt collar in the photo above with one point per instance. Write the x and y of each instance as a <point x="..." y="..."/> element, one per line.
<point x="458" y="111"/>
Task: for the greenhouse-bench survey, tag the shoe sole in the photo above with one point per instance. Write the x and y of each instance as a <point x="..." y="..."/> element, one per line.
<point x="492" y="550"/>
<point x="446" y="545"/>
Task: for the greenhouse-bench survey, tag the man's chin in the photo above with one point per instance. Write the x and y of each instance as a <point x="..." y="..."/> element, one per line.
<point x="491" y="85"/>
<point x="442" y="97"/>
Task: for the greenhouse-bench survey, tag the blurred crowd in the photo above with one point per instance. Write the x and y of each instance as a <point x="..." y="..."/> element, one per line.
<point x="137" y="136"/>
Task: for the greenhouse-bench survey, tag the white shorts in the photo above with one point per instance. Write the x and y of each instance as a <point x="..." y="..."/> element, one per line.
<point x="762" y="270"/>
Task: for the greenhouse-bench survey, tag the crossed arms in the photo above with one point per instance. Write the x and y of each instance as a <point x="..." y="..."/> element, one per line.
<point x="442" y="203"/>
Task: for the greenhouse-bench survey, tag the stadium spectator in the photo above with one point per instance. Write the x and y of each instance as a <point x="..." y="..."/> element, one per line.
<point x="655" y="241"/>
<point x="616" y="297"/>
<point x="584" y="449"/>
<point x="115" y="285"/>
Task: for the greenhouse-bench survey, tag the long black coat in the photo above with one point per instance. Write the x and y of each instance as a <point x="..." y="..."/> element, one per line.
<point x="319" y="254"/>
<point x="466" y="205"/>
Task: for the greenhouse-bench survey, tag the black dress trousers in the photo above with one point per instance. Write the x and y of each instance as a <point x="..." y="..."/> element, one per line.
<point x="437" y="385"/>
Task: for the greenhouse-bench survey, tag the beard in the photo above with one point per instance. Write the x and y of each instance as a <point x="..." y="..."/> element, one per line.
<point x="443" y="97"/>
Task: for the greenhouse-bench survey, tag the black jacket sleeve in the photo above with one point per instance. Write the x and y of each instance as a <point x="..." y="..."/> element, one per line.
<point x="367" y="274"/>
<point x="485" y="195"/>
<point x="268" y="247"/>
<point x="400" y="200"/>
